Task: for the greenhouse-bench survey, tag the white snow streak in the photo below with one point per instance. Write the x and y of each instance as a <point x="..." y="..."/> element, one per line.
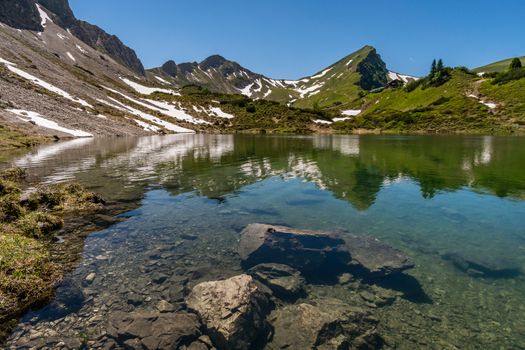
<point x="81" y="49"/>
<point x="219" y="113"/>
<point x="351" y="112"/>
<point x="42" y="83"/>
<point x="44" y="18"/>
<point x="162" y="80"/>
<point x="322" y="121"/>
<point x="146" y="90"/>
<point x="36" y="118"/>
<point x="246" y="90"/>
<point x="322" y="74"/>
<point x="71" y="56"/>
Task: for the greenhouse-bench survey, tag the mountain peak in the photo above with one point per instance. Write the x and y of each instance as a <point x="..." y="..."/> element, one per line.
<point x="214" y="61"/>
<point x="170" y="68"/>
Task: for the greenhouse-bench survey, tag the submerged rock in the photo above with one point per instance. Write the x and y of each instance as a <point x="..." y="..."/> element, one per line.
<point x="233" y="311"/>
<point x="305" y="250"/>
<point x="478" y="267"/>
<point x="152" y="330"/>
<point x="376" y="257"/>
<point x="323" y="324"/>
<point x="283" y="280"/>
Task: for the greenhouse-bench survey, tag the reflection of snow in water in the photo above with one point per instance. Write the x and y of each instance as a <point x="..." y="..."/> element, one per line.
<point x="258" y="169"/>
<point x="308" y="170"/>
<point x="141" y="160"/>
<point x="347" y="145"/>
<point x="486" y="152"/>
<point x="68" y="173"/>
<point x="44" y="153"/>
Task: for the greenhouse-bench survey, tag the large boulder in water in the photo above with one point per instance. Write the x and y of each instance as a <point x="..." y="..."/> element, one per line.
<point x="376" y="257"/>
<point x="319" y="251"/>
<point x="305" y="250"/>
<point x="323" y="324"/>
<point x="233" y="311"/>
<point x="283" y="280"/>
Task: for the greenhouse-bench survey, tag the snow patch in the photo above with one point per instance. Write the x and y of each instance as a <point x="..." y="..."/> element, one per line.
<point x="71" y="56"/>
<point x="44" y="18"/>
<point x="12" y="67"/>
<point x="351" y="112"/>
<point x="125" y="108"/>
<point x="322" y="121"/>
<point x="219" y="113"/>
<point x="349" y="62"/>
<point x="162" y="80"/>
<point x="61" y="36"/>
<point x="342" y="119"/>
<point x="146" y="90"/>
<point x="322" y="74"/>
<point x="36" y="118"/>
<point x="81" y="49"/>
<point x="246" y="91"/>
<point x="310" y="90"/>
<point x="173" y="111"/>
<point x="403" y="78"/>
<point x="491" y="105"/>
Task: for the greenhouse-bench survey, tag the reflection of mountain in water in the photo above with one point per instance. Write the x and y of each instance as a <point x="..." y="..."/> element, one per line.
<point x="353" y="168"/>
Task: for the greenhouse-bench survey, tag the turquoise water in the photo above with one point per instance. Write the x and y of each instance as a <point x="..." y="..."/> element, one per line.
<point x="431" y="197"/>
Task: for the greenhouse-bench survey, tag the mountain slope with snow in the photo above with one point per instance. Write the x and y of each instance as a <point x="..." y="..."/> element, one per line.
<point x="341" y="82"/>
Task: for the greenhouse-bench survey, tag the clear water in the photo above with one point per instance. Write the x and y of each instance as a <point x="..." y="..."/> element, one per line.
<point x="427" y="196"/>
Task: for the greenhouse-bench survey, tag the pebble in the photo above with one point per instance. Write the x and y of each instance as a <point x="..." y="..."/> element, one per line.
<point x="91" y="277"/>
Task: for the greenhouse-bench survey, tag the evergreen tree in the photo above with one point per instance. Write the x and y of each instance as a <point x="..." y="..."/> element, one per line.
<point x="440" y="67"/>
<point x="433" y="68"/>
<point x="515" y="64"/>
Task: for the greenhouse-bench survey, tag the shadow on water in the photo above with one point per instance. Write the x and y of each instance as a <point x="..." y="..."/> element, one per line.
<point x="480" y="268"/>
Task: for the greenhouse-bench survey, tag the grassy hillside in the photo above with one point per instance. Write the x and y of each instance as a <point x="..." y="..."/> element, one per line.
<point x="256" y="116"/>
<point x="462" y="104"/>
<point x="497" y="67"/>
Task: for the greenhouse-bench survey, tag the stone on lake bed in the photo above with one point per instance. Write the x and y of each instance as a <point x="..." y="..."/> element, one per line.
<point x="323" y="324"/>
<point x="376" y="257"/>
<point x="233" y="311"/>
<point x="153" y="330"/>
<point x="281" y="279"/>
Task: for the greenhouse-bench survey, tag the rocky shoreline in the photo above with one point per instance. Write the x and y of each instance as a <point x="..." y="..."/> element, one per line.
<point x="274" y="301"/>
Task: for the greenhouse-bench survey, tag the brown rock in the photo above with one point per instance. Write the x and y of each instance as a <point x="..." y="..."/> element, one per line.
<point x="154" y="330"/>
<point x="376" y="257"/>
<point x="233" y="311"/>
<point x="323" y="324"/>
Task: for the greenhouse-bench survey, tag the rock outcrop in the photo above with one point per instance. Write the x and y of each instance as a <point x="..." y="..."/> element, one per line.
<point x="323" y="324"/>
<point x="20" y="14"/>
<point x="23" y="14"/>
<point x="233" y="311"/>
<point x="306" y="250"/>
<point x="376" y="257"/>
<point x="283" y="280"/>
<point x="151" y="330"/>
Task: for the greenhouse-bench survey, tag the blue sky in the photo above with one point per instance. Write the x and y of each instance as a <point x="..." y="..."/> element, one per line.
<point x="295" y="38"/>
